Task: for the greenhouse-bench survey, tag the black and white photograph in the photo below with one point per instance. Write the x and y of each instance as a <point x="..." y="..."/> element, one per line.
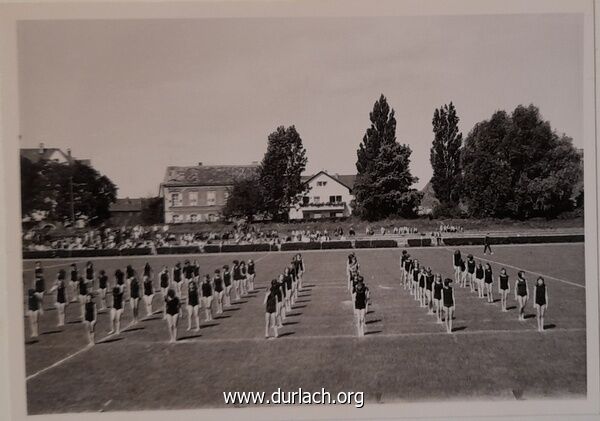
<point x="253" y="207"/>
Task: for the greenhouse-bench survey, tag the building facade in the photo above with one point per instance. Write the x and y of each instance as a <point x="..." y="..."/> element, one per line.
<point x="199" y="193"/>
<point x="42" y="153"/>
<point x="328" y="196"/>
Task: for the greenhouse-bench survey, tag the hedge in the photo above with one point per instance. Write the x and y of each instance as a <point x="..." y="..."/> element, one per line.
<point x="328" y="245"/>
<point x="228" y="248"/>
<point x="178" y="250"/>
<point x="313" y="245"/>
<point x="419" y="242"/>
<point x="142" y="251"/>
<point x="366" y="244"/>
<point x="211" y="248"/>
<point x="523" y="239"/>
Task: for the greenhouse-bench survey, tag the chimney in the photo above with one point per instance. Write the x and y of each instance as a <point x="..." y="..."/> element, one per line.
<point x="42" y="148"/>
<point x="69" y="152"/>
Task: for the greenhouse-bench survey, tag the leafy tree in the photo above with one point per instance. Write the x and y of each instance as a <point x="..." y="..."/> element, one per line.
<point x="445" y="156"/>
<point x="153" y="210"/>
<point x="280" y="172"/>
<point x="517" y="166"/>
<point x="92" y="192"/>
<point x="383" y="183"/>
<point x="244" y="201"/>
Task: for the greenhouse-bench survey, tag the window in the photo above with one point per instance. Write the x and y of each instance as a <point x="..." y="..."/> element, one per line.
<point x="193" y="196"/>
<point x="212" y="217"/>
<point x="175" y="199"/>
<point x="338" y="199"/>
<point x="175" y="218"/>
<point x="193" y="218"/>
<point x="317" y="199"/>
<point x="321" y="183"/>
<point x="305" y="200"/>
<point x="335" y="199"/>
<point x="211" y="198"/>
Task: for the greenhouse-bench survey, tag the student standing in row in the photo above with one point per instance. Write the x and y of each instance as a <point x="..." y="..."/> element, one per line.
<point x="541" y="302"/>
<point x="521" y="293"/>
<point x="503" y="288"/>
<point x="172" y="313"/>
<point x="448" y="301"/>
<point x="61" y="296"/>
<point x="488" y="280"/>
<point x="91" y="316"/>
<point x="270" y="302"/>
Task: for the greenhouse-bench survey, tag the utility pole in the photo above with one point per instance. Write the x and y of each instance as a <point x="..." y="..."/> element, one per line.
<point x="72" y="200"/>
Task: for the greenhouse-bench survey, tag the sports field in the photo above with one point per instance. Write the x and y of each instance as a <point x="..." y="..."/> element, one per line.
<point x="406" y="355"/>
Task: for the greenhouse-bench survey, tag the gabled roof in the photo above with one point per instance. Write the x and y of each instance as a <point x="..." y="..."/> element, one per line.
<point x="347" y="180"/>
<point x="126" y="205"/>
<point x="38" y="154"/>
<point x="207" y="175"/>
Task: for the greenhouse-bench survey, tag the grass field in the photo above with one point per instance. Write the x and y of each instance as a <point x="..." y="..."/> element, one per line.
<point x="405" y="356"/>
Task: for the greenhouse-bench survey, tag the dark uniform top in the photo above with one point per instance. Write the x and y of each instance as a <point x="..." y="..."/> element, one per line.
<point x="271" y="306"/>
<point x="503" y="282"/>
<point x="227" y="278"/>
<point x="33" y="302"/>
<point x="135" y="288"/>
<point x="40" y="285"/>
<point x="148" y="290"/>
<point x="103" y="282"/>
<point x="164" y="279"/>
<point x="89" y="311"/>
<point x="488" y="276"/>
<point x="479" y="273"/>
<point x="471" y="266"/>
<point x="521" y="287"/>
<point x="437" y="290"/>
<point x="206" y="289"/>
<point x="540" y="295"/>
<point x="172" y="305"/>
<point x="192" y="294"/>
<point x="60" y="292"/>
<point x="448" y="298"/>
<point x="117" y="298"/>
<point x="360" y="297"/>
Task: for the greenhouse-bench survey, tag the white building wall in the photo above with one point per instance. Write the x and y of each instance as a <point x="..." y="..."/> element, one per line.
<point x="322" y="189"/>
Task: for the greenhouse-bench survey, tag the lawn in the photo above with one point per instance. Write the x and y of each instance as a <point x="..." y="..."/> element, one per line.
<point x="405" y="356"/>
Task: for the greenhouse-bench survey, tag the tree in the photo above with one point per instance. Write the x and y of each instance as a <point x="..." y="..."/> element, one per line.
<point x="65" y="188"/>
<point x="153" y="210"/>
<point x="383" y="183"/>
<point x="517" y="166"/>
<point x="280" y="172"/>
<point x="445" y="156"/>
<point x="244" y="201"/>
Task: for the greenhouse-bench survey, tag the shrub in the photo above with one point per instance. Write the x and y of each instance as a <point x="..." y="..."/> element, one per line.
<point x="141" y="251"/>
<point x="211" y="248"/>
<point x="301" y="246"/>
<point x="178" y="250"/>
<point x="329" y="245"/>
<point x="366" y="244"/>
<point x="419" y="242"/>
<point x="228" y="248"/>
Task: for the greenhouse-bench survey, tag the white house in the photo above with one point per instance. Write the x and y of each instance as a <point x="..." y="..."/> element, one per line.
<point x="328" y="196"/>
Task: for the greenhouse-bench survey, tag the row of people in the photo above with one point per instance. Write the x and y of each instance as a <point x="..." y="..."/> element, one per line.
<point x="282" y="295"/>
<point x="429" y="290"/>
<point x="480" y="279"/>
<point x="183" y="280"/>
<point x="359" y="293"/>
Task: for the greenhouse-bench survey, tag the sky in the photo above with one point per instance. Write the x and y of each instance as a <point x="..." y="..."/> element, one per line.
<point x="136" y="96"/>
